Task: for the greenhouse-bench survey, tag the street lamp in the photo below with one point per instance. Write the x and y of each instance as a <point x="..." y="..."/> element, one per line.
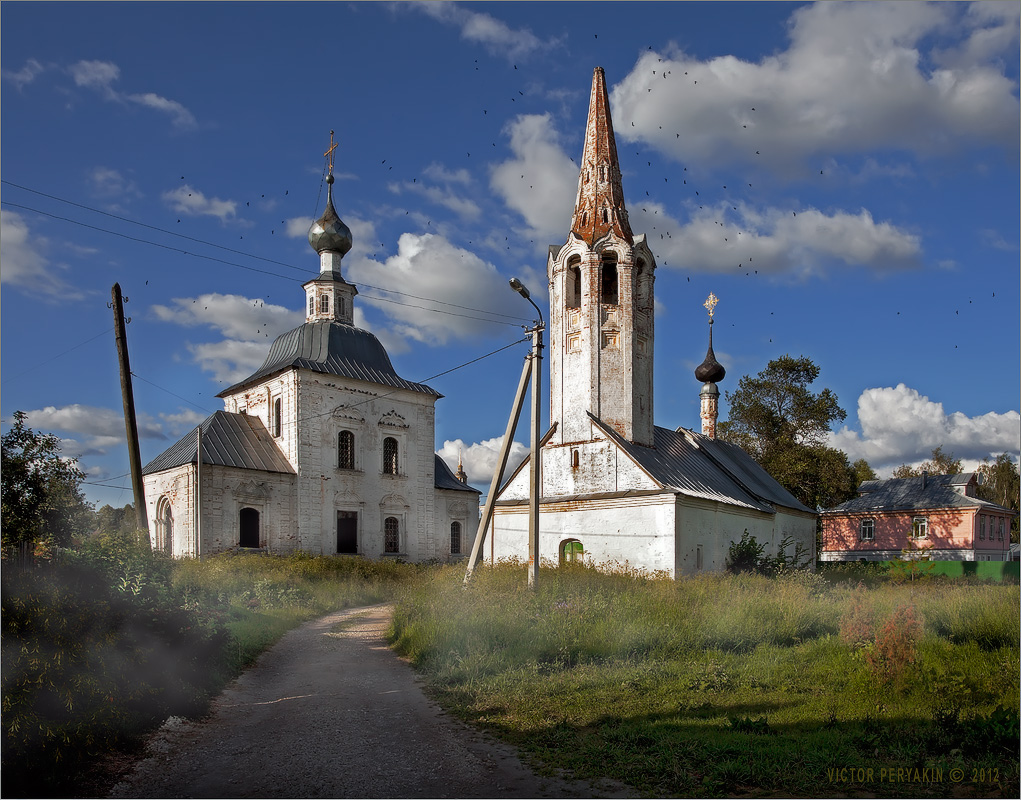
<point x="535" y="469"/>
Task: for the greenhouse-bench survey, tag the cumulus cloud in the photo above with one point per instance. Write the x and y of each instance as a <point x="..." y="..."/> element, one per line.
<point x="484" y="29"/>
<point x="101" y="76"/>
<point x="25" y="264"/>
<point x="541" y="181"/>
<point x="480" y="458"/>
<point x="726" y="238"/>
<point x="95" y="430"/>
<point x="901" y="426"/>
<point x="855" y="77"/>
<point x="429" y="266"/>
<point x="443" y="196"/>
<point x="186" y="200"/>
<point x="249" y="326"/>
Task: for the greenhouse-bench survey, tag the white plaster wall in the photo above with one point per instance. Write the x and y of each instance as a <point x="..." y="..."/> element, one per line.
<point x="637" y="531"/>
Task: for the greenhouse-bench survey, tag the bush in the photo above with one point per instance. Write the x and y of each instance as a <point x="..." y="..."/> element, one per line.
<point x="895" y="645"/>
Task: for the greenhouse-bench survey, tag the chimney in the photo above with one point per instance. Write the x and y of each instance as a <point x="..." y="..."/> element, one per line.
<point x="925" y="477"/>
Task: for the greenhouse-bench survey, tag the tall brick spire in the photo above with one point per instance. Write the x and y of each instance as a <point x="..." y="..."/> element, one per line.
<point x="599" y="208"/>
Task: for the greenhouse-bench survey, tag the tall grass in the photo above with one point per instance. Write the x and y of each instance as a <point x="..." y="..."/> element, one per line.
<point x="723" y="684"/>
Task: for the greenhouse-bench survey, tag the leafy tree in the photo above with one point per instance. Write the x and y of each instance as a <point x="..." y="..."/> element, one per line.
<point x="863" y="472"/>
<point x="41" y="495"/>
<point x="1001" y="484"/>
<point x="116" y="520"/>
<point x="782" y="424"/>
<point x="940" y="464"/>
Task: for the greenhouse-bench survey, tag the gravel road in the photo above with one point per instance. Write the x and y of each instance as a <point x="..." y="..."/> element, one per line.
<point x="331" y="711"/>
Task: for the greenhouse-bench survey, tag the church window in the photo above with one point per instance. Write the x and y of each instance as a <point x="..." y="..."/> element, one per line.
<point x="573" y="282"/>
<point x="324" y="304"/>
<point x="277" y="417"/>
<point x="164" y="526"/>
<point x="605" y="217"/>
<point x="571" y="551"/>
<point x="340" y="305"/>
<point x="390" y="463"/>
<point x="311" y="305"/>
<point x="455" y="538"/>
<point x="345" y="450"/>
<point x="391" y="535"/>
<point x="608" y="281"/>
<point x="584" y="219"/>
<point x="867" y="530"/>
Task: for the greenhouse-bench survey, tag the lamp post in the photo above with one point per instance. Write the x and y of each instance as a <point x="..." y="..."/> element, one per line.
<point x="535" y="468"/>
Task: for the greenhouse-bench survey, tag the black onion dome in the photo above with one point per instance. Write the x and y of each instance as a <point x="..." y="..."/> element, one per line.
<point x="710" y="370"/>
<point x="329" y="233"/>
<point x="332" y="348"/>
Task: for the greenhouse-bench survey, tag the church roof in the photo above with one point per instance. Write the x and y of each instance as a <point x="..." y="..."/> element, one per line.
<point x="698" y="466"/>
<point x="228" y="440"/>
<point x="445" y="479"/>
<point x="332" y="348"/>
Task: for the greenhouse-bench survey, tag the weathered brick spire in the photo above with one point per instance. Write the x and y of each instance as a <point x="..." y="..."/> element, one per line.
<point x="599" y="208"/>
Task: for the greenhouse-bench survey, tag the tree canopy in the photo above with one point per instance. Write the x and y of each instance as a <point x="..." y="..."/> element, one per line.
<point x="776" y="418"/>
<point x="41" y="497"/>
<point x="1001" y="484"/>
<point x="939" y="464"/>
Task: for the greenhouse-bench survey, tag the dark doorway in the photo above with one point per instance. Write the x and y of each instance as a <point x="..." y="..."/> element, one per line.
<point x="249" y="527"/>
<point x="347" y="532"/>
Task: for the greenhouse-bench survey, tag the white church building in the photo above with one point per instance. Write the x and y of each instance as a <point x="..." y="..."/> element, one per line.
<point x="323" y="449"/>
<point x="615" y="487"/>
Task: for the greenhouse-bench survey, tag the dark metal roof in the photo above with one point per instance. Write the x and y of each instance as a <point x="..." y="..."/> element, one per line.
<point x="332" y="348"/>
<point x="229" y="440"/>
<point x="914" y="494"/>
<point x="679" y="464"/>
<point x="445" y="479"/>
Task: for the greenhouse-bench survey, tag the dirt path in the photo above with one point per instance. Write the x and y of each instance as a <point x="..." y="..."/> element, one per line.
<point x="331" y="711"/>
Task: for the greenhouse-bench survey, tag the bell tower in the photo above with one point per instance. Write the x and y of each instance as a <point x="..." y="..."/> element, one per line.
<point x="601" y="301"/>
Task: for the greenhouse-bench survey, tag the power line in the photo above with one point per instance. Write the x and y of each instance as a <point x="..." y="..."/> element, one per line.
<point x="231" y="250"/>
<point x="58" y="355"/>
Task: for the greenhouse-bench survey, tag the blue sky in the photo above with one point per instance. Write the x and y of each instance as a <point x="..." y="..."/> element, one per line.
<point x="844" y="177"/>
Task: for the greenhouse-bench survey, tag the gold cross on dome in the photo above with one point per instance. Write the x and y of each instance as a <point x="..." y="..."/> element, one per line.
<point x="329" y="153"/>
<point x="710" y="304"/>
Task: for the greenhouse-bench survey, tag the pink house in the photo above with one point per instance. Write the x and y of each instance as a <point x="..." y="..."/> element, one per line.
<point x="938" y="515"/>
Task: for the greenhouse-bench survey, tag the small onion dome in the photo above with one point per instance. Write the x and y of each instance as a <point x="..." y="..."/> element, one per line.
<point x="329" y="233"/>
<point x="710" y="370"/>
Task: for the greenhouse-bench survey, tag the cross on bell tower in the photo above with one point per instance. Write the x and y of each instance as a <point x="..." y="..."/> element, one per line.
<point x="601" y="301"/>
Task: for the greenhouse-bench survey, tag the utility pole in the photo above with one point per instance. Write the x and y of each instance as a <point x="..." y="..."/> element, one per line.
<point x="130" y="427"/>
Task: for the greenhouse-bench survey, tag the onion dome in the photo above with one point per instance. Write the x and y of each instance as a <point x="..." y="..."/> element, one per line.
<point x="710" y="370"/>
<point x="329" y="233"/>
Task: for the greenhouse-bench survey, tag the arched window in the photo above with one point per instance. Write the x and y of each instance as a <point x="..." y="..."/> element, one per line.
<point x="608" y="282"/>
<point x="573" y="287"/>
<point x="277" y="409"/>
<point x="164" y="526"/>
<point x="390" y="462"/>
<point x="340" y="305"/>
<point x="324" y="304"/>
<point x="571" y="551"/>
<point x="345" y="450"/>
<point x="455" y="538"/>
<point x="391" y="535"/>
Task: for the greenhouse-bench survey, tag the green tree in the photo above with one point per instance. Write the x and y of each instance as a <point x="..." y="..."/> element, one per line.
<point x="939" y="464"/>
<point x="863" y="472"/>
<point x="777" y="419"/>
<point x="1001" y="484"/>
<point x="41" y="499"/>
<point x="116" y="520"/>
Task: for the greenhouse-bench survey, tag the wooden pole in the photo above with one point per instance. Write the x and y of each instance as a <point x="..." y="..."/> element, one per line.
<point x="508" y="437"/>
<point x="130" y="427"/>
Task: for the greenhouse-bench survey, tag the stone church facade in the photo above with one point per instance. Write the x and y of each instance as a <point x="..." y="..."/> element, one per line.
<point x="324" y="449"/>
<point x="615" y="487"/>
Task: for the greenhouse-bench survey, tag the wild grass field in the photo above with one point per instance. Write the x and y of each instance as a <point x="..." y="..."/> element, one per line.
<point x="731" y="684"/>
<point x="801" y="685"/>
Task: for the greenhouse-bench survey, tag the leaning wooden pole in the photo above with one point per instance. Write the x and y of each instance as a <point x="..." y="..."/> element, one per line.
<point x="130" y="427"/>
<point x="508" y="438"/>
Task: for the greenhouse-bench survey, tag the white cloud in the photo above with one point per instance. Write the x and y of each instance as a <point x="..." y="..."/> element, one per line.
<point x="855" y="77"/>
<point x="25" y="264"/>
<point x="484" y="29"/>
<point x="25" y="75"/>
<point x="99" y="429"/>
<point x="429" y="266"/>
<point x="445" y="197"/>
<point x="297" y="227"/>
<point x="901" y="426"/>
<point x="541" y="181"/>
<point x="101" y="75"/>
<point x="480" y="458"/>
<point x="776" y="241"/>
<point x="110" y="183"/>
<point x="249" y="326"/>
<point x="186" y="200"/>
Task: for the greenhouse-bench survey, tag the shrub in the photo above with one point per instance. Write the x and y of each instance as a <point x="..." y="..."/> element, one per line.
<point x="895" y="645"/>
